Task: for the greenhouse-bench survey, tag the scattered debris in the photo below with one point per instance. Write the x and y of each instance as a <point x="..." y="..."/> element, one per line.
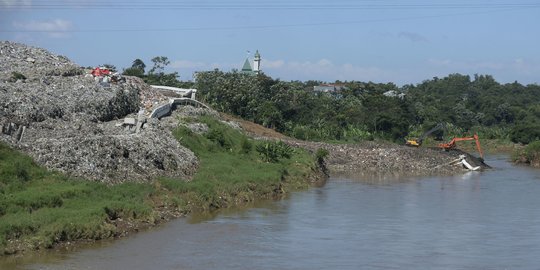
<point x="100" y="72"/>
<point x="105" y="77"/>
<point x="467" y="165"/>
<point x="130" y="121"/>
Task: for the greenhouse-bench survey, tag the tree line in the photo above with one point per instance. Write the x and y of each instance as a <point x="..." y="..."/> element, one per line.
<point x="366" y="110"/>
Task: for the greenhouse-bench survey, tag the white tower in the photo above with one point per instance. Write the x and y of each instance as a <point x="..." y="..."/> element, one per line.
<point x="257" y="63"/>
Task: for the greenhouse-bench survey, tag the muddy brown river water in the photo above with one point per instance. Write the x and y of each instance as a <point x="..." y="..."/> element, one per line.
<point x="480" y="220"/>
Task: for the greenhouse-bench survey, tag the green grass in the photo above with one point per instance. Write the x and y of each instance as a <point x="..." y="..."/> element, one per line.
<point x="231" y="171"/>
<point x="39" y="208"/>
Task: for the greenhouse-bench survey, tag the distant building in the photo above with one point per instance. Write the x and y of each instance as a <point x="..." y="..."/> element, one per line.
<point x="246" y="68"/>
<point x="257" y="62"/>
<point x="256" y="69"/>
<point x="394" y="93"/>
<point x="327" y="88"/>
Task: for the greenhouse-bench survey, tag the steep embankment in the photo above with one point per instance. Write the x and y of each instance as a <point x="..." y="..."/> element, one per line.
<point x="51" y="109"/>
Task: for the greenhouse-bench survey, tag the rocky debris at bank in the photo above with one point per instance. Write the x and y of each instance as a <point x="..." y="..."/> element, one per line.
<point x="385" y="158"/>
<point x="70" y="123"/>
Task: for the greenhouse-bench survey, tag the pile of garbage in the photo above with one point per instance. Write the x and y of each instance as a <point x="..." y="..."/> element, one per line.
<point x="380" y="158"/>
<point x="19" y="62"/>
<point x="105" y="77"/>
<point x="67" y="120"/>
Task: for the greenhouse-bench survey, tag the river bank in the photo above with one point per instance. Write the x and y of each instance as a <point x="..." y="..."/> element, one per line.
<point x="528" y="155"/>
<point x="42" y="209"/>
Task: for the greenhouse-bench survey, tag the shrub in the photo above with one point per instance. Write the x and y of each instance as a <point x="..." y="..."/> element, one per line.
<point x="133" y="71"/>
<point x="321" y="154"/>
<point x="246" y="145"/>
<point x="15" y="76"/>
<point x="304" y="133"/>
<point x="533" y="150"/>
<point x="274" y="151"/>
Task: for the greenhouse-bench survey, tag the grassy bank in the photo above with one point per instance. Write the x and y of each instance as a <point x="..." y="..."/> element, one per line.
<point x="40" y="209"/>
<point x="530" y="155"/>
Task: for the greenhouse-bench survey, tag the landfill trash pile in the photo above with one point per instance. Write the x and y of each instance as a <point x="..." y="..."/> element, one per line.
<point x="151" y="98"/>
<point x="32" y="62"/>
<point x="68" y="121"/>
<point x="381" y="158"/>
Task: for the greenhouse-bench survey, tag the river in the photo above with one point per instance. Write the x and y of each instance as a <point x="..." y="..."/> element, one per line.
<point x="480" y="220"/>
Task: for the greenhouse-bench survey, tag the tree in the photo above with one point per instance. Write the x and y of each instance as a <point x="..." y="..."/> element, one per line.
<point x="133" y="71"/>
<point x="139" y="64"/>
<point x="269" y="115"/>
<point x="110" y="67"/>
<point x="156" y="75"/>
<point x="160" y="62"/>
<point x="525" y="133"/>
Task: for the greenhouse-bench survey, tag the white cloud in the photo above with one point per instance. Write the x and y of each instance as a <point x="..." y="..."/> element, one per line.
<point x="274" y="64"/>
<point x="10" y="3"/>
<point x="54" y="28"/>
<point x="187" y="64"/>
<point x="216" y="65"/>
<point x="468" y="65"/>
<point x="30" y="3"/>
<point x="324" y="69"/>
<point x="522" y="70"/>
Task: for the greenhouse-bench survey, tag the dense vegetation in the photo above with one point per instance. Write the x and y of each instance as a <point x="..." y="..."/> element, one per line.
<point x="529" y="155"/>
<point x="39" y="208"/>
<point x="367" y="110"/>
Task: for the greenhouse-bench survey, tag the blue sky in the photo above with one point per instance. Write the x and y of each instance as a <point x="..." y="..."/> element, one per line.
<point x="366" y="40"/>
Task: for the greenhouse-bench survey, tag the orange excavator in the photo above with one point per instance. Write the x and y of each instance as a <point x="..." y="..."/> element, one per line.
<point x="452" y="144"/>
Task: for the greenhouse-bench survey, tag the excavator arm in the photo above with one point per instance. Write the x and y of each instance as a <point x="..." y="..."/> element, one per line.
<point x="418" y="142"/>
<point x="452" y="143"/>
